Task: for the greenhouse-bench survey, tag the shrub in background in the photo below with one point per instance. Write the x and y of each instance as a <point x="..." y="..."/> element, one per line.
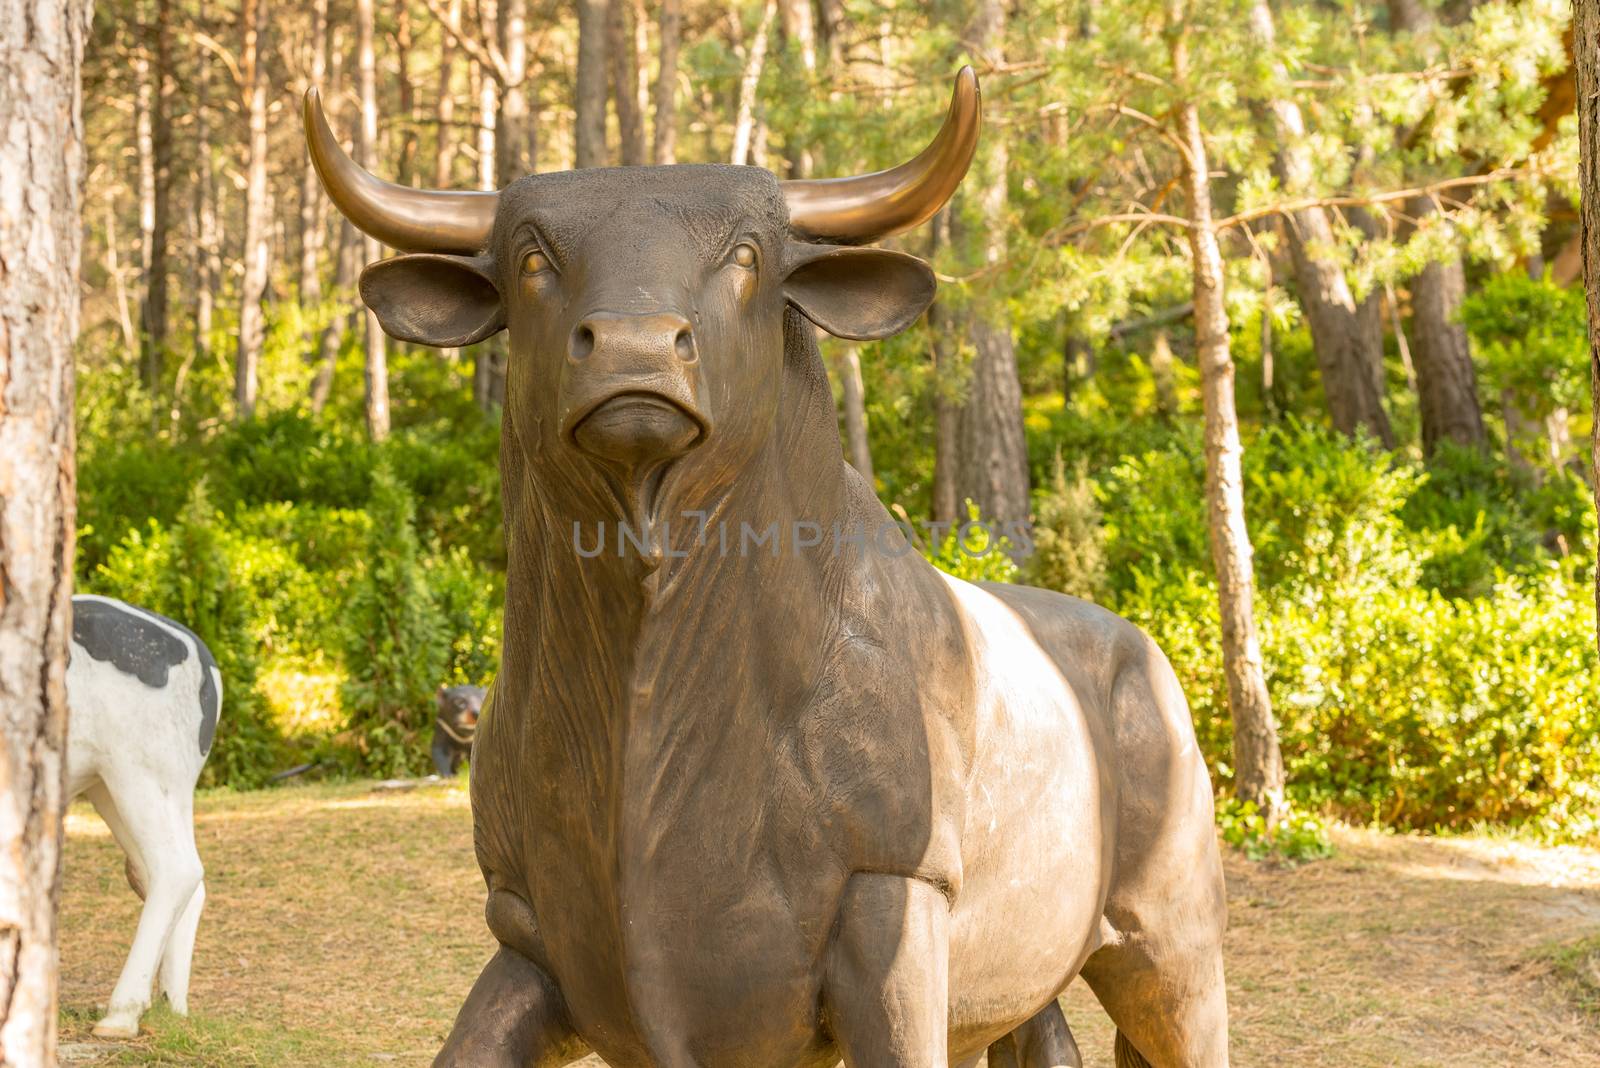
<point x="198" y="572"/>
<point x="1067" y="554"/>
<point x="395" y="639"/>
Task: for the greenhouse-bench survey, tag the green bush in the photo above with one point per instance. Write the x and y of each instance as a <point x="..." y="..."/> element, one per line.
<point x="1295" y="838"/>
<point x="203" y="575"/>
<point x="395" y="641"/>
<point x="1067" y="552"/>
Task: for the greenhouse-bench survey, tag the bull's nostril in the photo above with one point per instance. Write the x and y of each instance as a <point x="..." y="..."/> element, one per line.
<point x="582" y="343"/>
<point x="683" y="344"/>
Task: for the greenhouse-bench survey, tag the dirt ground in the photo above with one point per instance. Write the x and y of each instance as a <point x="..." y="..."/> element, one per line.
<point x="344" y="926"/>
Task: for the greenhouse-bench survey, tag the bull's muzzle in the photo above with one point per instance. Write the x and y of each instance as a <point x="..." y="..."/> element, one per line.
<point x="632" y="388"/>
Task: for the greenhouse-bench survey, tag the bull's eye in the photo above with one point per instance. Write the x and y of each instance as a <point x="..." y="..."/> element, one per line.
<point x="535" y="262"/>
<point x="744" y="254"/>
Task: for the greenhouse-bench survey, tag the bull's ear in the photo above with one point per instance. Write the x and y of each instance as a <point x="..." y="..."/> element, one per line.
<point x="431" y="299"/>
<point x="860" y="294"/>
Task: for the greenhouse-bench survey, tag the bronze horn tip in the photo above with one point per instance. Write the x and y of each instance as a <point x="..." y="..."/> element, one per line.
<point x="865" y="208"/>
<point x="412" y="220"/>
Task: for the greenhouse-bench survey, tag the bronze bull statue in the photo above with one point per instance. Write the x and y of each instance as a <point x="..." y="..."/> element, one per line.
<point x="771" y="808"/>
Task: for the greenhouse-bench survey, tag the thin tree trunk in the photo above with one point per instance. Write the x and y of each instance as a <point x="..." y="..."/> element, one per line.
<point x="847" y="366"/>
<point x="754" y="59"/>
<point x="514" y="148"/>
<point x="404" y="41"/>
<point x="799" y="28"/>
<point x="258" y="218"/>
<point x="665" y="147"/>
<point x="1258" y="762"/>
<point x="445" y="146"/>
<point x="1586" y="48"/>
<point x="377" y="356"/>
<point x="154" y="317"/>
<point x="119" y="287"/>
<point x="483" y="355"/>
<point x="346" y="271"/>
<point x="41" y="166"/>
<point x="1161" y="370"/>
<point x="1447" y="384"/>
<point x="208" y="255"/>
<point x="590" y="127"/>
<point x="1347" y="337"/>
<point x="313" y="229"/>
<point x="994" y="450"/>
<point x="625" y="83"/>
<point x="946" y="396"/>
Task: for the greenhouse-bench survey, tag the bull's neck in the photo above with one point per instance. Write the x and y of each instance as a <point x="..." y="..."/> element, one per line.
<point x="599" y="634"/>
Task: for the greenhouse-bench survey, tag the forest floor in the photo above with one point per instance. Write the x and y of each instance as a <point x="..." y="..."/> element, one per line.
<point x="344" y="926"/>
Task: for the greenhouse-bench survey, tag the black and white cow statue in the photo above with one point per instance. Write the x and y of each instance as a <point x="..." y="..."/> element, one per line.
<point x="143" y="695"/>
<point x="454" y="726"/>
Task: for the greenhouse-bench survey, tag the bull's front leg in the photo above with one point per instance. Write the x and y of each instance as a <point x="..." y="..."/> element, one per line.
<point x="886" y="986"/>
<point x="514" y="1018"/>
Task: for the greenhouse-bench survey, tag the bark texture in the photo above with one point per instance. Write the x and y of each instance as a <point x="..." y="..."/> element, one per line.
<point x="1447" y="384"/>
<point x="514" y="132"/>
<point x="847" y="366"/>
<point x="377" y="353"/>
<point x="622" y="47"/>
<point x="664" y="148"/>
<point x="590" y="124"/>
<point x="41" y="176"/>
<point x="257" y="214"/>
<point x="1258" y="761"/>
<point x="1347" y="336"/>
<point x="994" y="451"/>
<point x="1586" y="46"/>
<point x="155" y="296"/>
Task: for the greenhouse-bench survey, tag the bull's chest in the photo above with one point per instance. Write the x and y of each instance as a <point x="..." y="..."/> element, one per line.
<point x="685" y="920"/>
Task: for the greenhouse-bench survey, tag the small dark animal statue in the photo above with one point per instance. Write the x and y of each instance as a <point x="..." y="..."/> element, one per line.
<point x="143" y="695"/>
<point x="763" y="807"/>
<point x="454" y="726"/>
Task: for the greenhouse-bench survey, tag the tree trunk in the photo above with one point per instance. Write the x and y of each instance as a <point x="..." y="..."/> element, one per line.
<point x="377" y="355"/>
<point x="313" y="228"/>
<point x="346" y="271"/>
<point x="590" y="127"/>
<point x="444" y="152"/>
<point x="847" y="366"/>
<point x="208" y="254"/>
<point x="665" y="147"/>
<point x="1586" y="48"/>
<point x="405" y="164"/>
<point x="155" y="301"/>
<point x="755" y="57"/>
<point x="514" y="147"/>
<point x="1258" y="762"/>
<point x="41" y="166"/>
<point x="1447" y="385"/>
<point x="946" y="396"/>
<point x="257" y="214"/>
<point x="994" y="448"/>
<point x="1347" y="337"/>
<point x="625" y="83"/>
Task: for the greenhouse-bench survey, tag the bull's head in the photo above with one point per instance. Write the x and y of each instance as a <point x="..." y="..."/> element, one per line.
<point x="646" y="306"/>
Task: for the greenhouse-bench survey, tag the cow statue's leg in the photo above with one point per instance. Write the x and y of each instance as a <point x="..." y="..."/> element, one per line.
<point x="886" y="987"/>
<point x="1045" y="1041"/>
<point x="513" y="1018"/>
<point x="176" y="961"/>
<point x="159" y="833"/>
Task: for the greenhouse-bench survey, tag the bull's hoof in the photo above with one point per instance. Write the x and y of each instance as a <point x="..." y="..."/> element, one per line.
<point x="118" y="1025"/>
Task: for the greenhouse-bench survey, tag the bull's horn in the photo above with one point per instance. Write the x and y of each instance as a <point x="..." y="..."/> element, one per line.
<point x="871" y="206"/>
<point x="412" y="220"/>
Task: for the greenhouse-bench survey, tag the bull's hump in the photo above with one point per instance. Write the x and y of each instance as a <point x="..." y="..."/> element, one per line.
<point x="147" y="646"/>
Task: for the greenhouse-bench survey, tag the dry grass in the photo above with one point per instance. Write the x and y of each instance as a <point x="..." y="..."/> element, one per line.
<point x="344" y="927"/>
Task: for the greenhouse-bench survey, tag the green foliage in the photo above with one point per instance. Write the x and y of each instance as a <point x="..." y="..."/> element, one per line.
<point x="1295" y="838"/>
<point x="206" y="577"/>
<point x="974" y="550"/>
<point x="395" y="638"/>
<point x="1067" y="553"/>
<point x="1531" y="338"/>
